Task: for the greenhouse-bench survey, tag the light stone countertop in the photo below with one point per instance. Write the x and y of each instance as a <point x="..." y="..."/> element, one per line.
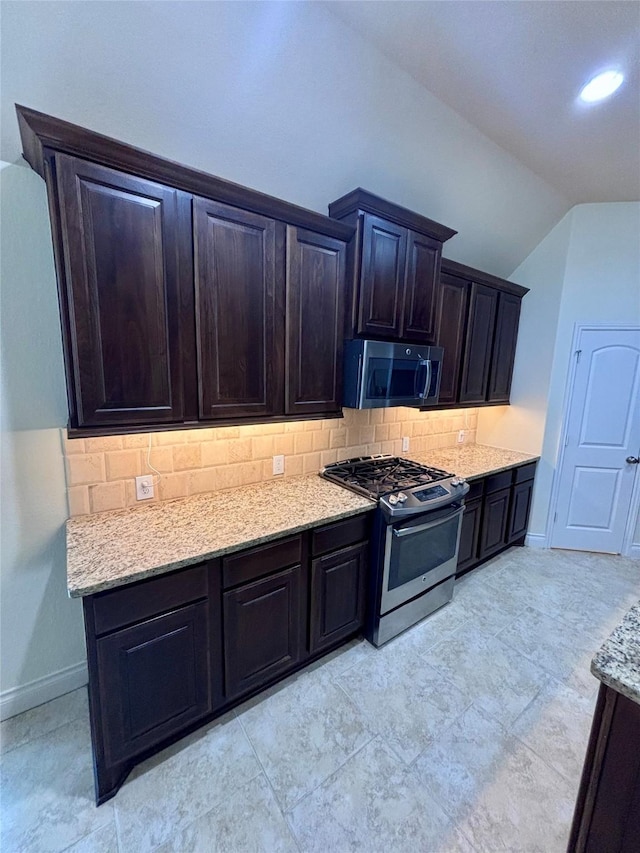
<point x="472" y="461"/>
<point x="617" y="664"/>
<point x="114" y="548"/>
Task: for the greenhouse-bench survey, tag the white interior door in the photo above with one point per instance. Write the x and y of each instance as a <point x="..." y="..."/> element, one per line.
<point x="602" y="432"/>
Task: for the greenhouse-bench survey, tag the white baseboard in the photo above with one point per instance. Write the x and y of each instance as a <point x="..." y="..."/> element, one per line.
<point x="535" y="540"/>
<point x="634" y="552"/>
<point x="34" y="693"/>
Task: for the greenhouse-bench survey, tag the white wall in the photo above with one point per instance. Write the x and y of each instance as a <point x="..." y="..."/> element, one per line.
<point x="40" y="628"/>
<point x="280" y="97"/>
<point x="599" y="247"/>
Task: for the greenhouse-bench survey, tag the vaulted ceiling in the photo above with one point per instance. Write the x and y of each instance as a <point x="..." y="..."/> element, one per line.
<point x="513" y="68"/>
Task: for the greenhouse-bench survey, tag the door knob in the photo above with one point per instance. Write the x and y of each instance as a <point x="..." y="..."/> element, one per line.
<point x="632" y="460"/>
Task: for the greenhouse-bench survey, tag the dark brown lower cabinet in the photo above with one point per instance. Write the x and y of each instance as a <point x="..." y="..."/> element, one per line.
<point x="607" y="814"/>
<point x="494" y="523"/>
<point x="337" y="595"/>
<point x="519" y="511"/>
<point x="262" y="625"/>
<point x="155" y="677"/>
<point x="496" y="515"/>
<point x="172" y="652"/>
<point x="470" y="534"/>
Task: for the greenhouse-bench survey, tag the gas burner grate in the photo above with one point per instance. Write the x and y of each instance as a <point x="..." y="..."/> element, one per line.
<point x="375" y="476"/>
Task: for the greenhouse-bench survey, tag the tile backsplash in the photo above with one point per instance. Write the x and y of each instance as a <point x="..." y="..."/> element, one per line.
<point x="100" y="471"/>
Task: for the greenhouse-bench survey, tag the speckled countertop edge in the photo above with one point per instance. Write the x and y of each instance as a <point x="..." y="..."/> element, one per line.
<point x="617" y="664"/>
<point x="112" y="549"/>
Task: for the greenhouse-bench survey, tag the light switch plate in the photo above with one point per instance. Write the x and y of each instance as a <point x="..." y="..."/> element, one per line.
<point x="460" y="436"/>
<point x="405" y="443"/>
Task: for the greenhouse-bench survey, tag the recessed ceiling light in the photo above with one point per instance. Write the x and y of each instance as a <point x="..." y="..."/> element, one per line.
<point x="601" y="86"/>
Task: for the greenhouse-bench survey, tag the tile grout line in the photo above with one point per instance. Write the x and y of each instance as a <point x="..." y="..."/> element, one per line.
<point x="49" y="732"/>
<point x="335" y="772"/>
<point x="268" y="780"/>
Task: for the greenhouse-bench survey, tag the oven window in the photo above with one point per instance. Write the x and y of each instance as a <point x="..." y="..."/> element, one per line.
<point x="393" y="378"/>
<point x="415" y="554"/>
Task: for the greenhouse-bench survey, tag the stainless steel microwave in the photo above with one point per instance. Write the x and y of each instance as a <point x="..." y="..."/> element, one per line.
<point x="379" y="374"/>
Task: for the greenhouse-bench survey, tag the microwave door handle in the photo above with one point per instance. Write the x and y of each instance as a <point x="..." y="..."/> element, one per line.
<point x="360" y="382"/>
<point x="406" y="531"/>
<point x="425" y="362"/>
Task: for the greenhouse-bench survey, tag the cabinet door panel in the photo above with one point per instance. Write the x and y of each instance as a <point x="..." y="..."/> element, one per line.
<point x="480" y="329"/>
<point x="316" y="269"/>
<point x="494" y="522"/>
<point x="238" y="323"/>
<point x="337" y="595"/>
<point x="452" y="319"/>
<point x="504" y="348"/>
<point x="262" y="626"/>
<point x="421" y="288"/>
<point x="470" y="535"/>
<point x="519" y="510"/>
<point x="154" y="680"/>
<point x="384" y="248"/>
<point x="122" y="239"/>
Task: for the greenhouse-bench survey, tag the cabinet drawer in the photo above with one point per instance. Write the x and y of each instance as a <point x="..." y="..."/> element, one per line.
<point x="525" y="472"/>
<point x="138" y="601"/>
<point x="261" y="561"/>
<point x="331" y="537"/>
<point x="498" y="481"/>
<point x="476" y="490"/>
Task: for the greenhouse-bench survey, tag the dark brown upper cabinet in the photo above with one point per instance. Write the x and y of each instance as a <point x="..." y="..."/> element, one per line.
<point x="504" y="348"/>
<point x="183" y="298"/>
<point x="316" y="269"/>
<point x="483" y="305"/>
<point x="238" y="312"/>
<point x="394" y="269"/>
<point x="477" y="325"/>
<point x="382" y="278"/>
<point x="450" y="334"/>
<point x="122" y="282"/>
<point x="421" y="287"/>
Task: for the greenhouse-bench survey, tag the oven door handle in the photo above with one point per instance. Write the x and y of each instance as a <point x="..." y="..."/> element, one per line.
<point x="428" y="525"/>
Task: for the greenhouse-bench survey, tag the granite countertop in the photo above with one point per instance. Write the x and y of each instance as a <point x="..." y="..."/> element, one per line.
<point x="114" y="548"/>
<point x="617" y="664"/>
<point x="472" y="461"/>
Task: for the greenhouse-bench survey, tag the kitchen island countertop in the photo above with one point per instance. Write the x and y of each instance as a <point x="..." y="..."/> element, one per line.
<point x="617" y="664"/>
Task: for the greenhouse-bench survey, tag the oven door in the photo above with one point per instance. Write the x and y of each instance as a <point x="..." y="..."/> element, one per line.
<point x="420" y="553"/>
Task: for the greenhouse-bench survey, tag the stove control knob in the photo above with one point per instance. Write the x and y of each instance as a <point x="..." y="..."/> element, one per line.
<point x="402" y="497"/>
<point x="393" y="500"/>
<point x="456" y="482"/>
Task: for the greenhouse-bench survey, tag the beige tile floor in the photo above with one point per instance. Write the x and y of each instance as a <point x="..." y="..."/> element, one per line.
<point x="467" y="733"/>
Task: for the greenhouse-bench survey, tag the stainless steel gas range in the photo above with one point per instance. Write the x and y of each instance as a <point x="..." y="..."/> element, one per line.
<point x="416" y="533"/>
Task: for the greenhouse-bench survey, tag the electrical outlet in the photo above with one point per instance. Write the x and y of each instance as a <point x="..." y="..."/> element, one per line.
<point x="278" y="464"/>
<point x="405" y="443"/>
<point x="144" y="487"/>
<point x="460" y="436"/>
